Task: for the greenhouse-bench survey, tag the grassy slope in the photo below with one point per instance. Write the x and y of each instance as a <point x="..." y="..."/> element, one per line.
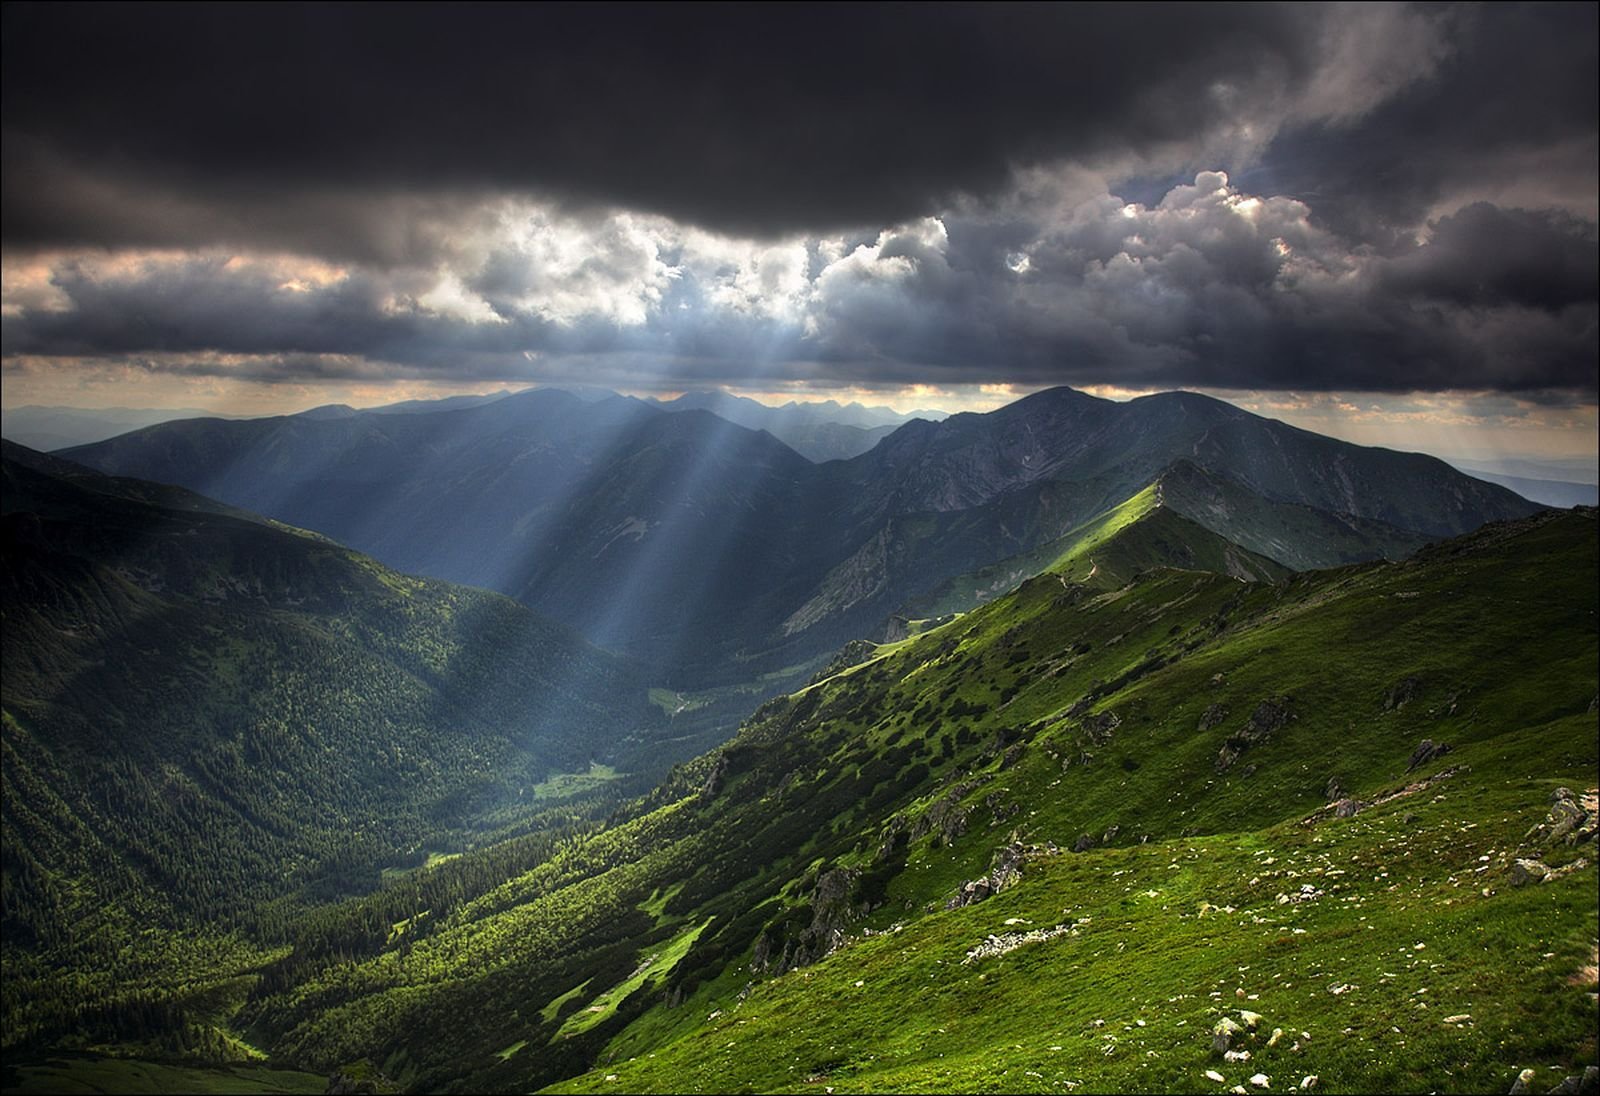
<point x="1166" y="935"/>
<point x="176" y="680"/>
<point x="997" y="724"/>
<point x="1074" y="555"/>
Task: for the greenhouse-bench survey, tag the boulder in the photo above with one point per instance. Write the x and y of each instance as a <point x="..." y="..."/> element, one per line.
<point x="1524" y="872"/>
<point x="1222" y="1034"/>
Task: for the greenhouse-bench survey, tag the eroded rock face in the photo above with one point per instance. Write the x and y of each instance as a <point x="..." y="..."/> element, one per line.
<point x="780" y="948"/>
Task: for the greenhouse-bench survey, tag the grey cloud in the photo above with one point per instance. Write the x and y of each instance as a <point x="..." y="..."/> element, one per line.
<point x="1210" y="288"/>
<point x="261" y="125"/>
<point x="1510" y="114"/>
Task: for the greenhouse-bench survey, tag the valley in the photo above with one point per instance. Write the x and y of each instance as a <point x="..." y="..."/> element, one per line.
<point x="1097" y="772"/>
<point x="814" y="549"/>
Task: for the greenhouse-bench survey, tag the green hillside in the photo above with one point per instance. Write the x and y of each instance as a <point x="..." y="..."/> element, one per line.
<point x="213" y="726"/>
<point x="1138" y="771"/>
<point x="1109" y="549"/>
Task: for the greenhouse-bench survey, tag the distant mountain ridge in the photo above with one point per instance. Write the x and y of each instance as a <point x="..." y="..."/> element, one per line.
<point x="707" y="548"/>
<point x="817" y="431"/>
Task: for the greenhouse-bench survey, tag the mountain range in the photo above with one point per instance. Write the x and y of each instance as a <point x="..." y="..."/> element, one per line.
<point x="1121" y="746"/>
<point x="821" y="431"/>
<point x="707" y="549"/>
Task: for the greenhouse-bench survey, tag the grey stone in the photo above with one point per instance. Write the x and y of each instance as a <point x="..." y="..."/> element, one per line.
<point x="1222" y="1034"/>
<point x="1524" y="872"/>
<point x="1427" y="750"/>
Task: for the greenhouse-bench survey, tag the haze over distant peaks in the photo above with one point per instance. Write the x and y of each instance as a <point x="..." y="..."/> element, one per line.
<point x="684" y="538"/>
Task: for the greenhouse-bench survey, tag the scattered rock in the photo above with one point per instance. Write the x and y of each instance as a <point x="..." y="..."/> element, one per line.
<point x="1237" y="1056"/>
<point x="1213" y="1075"/>
<point x="1524" y="872"/>
<point x="1334" y="791"/>
<point x="1212" y="716"/>
<point x="1427" y="750"/>
<point x="1309" y="1082"/>
<point x="1084" y="843"/>
<point x="1523" y="1083"/>
<point x="1252" y="1020"/>
<point x="994" y="945"/>
<point x="1277" y="1037"/>
<point x="1261" y="1080"/>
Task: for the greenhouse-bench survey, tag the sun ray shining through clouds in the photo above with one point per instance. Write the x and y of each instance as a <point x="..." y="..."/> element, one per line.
<point x="772" y="547"/>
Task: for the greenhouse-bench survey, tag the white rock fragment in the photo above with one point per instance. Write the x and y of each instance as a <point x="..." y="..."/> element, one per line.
<point x="1261" y="1080"/>
<point x="1213" y="1075"/>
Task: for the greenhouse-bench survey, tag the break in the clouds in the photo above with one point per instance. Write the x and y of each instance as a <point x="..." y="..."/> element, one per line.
<point x="1377" y="198"/>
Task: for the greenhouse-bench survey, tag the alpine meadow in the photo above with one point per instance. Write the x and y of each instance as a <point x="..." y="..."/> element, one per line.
<point x="942" y="548"/>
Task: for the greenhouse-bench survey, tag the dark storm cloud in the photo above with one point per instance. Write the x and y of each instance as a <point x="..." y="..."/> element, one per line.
<point x="1510" y="112"/>
<point x="471" y="190"/>
<point x="1485" y="255"/>
<point x="153" y="124"/>
<point x="1209" y="288"/>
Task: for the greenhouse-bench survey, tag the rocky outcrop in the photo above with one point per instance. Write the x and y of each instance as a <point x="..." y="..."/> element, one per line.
<point x="1402" y="693"/>
<point x="714" y="779"/>
<point x="1571" y="820"/>
<point x="832" y="908"/>
<point x="1005" y="868"/>
<point x="1586" y="1083"/>
<point x="1427" y="750"/>
<point x="1269" y="717"/>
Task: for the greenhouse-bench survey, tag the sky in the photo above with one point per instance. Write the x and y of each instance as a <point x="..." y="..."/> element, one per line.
<point x="1374" y="220"/>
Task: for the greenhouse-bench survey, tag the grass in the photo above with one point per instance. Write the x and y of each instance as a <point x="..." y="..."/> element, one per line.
<point x="568" y="785"/>
<point x="1064" y="713"/>
<point x="72" y="1076"/>
<point x="1412" y="919"/>
<point x="652" y="969"/>
<point x="1166" y="938"/>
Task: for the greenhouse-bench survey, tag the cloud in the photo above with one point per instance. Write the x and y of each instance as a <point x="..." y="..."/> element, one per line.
<point x="1209" y="287"/>
<point x="1507" y="115"/>
<point x="373" y="136"/>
